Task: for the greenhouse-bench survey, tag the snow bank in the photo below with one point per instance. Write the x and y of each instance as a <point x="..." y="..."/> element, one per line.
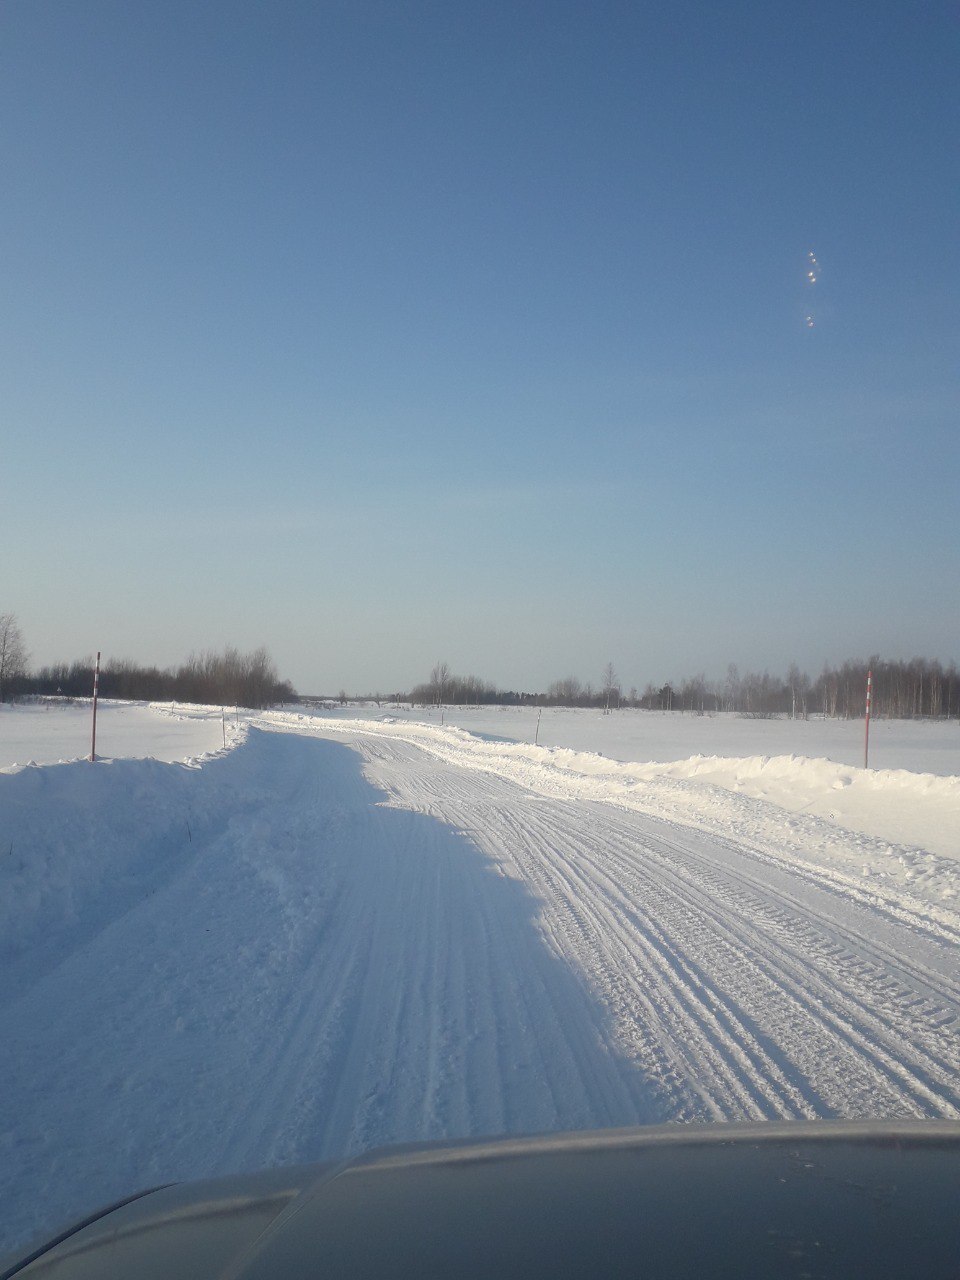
<point x="74" y="836"/>
<point x="920" y="810"/>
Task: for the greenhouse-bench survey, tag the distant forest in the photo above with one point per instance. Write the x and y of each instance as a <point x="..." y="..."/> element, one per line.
<point x="229" y="678"/>
<point x="921" y="687"/>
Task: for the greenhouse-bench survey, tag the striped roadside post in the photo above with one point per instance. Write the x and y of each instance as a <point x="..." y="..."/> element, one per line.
<point x="866" y="728"/>
<point x="96" y="690"/>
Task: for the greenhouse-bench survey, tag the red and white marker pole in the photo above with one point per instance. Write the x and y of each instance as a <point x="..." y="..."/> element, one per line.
<point x="866" y="728"/>
<point x="96" y="690"/>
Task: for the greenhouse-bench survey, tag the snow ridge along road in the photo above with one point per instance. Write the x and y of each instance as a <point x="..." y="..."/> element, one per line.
<point x="349" y="934"/>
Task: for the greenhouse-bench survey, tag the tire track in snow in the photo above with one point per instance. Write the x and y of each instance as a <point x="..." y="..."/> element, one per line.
<point x="741" y="997"/>
<point x="430" y="1007"/>
<point x="699" y="1033"/>
<point x="855" y="1021"/>
<point x="906" y="997"/>
<point x="787" y="841"/>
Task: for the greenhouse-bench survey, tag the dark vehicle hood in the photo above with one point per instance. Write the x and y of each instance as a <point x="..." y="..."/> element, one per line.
<point x="786" y="1200"/>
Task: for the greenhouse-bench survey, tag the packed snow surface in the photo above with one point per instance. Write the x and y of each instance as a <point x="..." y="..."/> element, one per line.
<point x="345" y="930"/>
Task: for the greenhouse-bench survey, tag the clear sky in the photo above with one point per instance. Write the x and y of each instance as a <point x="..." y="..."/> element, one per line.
<point x="387" y="331"/>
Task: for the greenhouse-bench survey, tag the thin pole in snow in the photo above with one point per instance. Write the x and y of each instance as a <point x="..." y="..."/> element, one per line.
<point x="96" y="690"/>
<point x="223" y="724"/>
<point x="536" y="736"/>
<point x="866" y="727"/>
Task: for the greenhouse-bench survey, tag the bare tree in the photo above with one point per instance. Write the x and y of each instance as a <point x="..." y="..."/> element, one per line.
<point x="693" y="693"/>
<point x="439" y="679"/>
<point x="731" y="689"/>
<point x="261" y="677"/>
<point x="611" y="686"/>
<point x="13" y="653"/>
<point x="567" y="692"/>
<point x="799" y="684"/>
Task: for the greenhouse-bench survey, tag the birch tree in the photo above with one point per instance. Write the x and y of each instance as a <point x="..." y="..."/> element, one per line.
<point x="13" y="654"/>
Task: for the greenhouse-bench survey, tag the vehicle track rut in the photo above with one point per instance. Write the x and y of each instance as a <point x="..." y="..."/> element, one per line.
<point x="744" y="987"/>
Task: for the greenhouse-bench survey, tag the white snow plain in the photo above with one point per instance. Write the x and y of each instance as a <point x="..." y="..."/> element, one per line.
<point x="54" y="731"/>
<point x="342" y="930"/>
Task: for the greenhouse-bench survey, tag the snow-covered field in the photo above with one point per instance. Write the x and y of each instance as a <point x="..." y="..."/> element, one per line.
<point x="52" y="732"/>
<point x="362" y="927"/>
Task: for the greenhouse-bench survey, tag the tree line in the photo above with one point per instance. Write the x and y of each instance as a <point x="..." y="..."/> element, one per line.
<point x="919" y="688"/>
<point x="219" y="679"/>
<point x="901" y="690"/>
<point x="226" y="678"/>
<point x="445" y="688"/>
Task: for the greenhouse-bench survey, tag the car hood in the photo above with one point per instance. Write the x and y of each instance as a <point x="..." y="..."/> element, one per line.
<point x="799" y="1199"/>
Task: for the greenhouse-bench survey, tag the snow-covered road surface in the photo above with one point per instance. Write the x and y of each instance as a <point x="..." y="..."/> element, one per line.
<point x="347" y="940"/>
<point x="733" y="986"/>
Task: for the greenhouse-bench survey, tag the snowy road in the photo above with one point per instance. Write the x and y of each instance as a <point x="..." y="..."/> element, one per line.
<point x="733" y="987"/>
<point x="353" y="941"/>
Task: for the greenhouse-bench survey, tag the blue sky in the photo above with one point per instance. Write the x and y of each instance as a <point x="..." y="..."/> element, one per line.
<point x="388" y="332"/>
